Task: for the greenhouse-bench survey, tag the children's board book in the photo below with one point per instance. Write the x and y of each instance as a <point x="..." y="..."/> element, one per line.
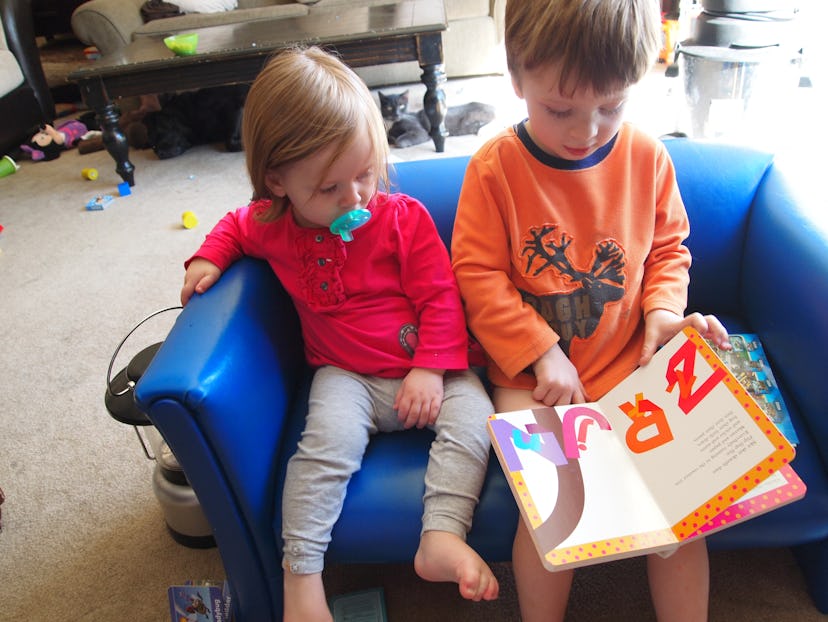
<point x="200" y="603"/>
<point x="748" y="362"/>
<point x="678" y="450"/>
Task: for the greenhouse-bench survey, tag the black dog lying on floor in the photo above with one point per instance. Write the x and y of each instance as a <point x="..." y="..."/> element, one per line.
<point x="192" y="118"/>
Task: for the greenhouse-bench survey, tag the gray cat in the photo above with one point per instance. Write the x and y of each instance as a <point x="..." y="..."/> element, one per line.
<point x="409" y="129"/>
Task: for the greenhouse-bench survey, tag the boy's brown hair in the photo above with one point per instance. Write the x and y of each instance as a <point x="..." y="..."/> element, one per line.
<point x="603" y="45"/>
<point x="305" y="100"/>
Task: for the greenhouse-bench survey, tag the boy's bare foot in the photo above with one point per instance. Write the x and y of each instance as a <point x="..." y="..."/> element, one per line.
<point x="305" y="598"/>
<point x="443" y="556"/>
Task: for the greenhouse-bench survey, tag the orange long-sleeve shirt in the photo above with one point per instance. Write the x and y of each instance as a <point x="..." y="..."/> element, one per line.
<point x="552" y="251"/>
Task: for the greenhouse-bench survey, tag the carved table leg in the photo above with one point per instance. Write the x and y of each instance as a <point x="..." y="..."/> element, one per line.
<point x="114" y="140"/>
<point x="116" y="143"/>
<point x="434" y="103"/>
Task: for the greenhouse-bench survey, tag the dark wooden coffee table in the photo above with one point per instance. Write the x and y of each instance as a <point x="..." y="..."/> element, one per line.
<point x="235" y="54"/>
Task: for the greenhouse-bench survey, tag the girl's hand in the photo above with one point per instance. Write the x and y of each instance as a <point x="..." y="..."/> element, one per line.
<point x="660" y="326"/>
<point x="199" y="277"/>
<point x="420" y="397"/>
<point x="558" y="381"/>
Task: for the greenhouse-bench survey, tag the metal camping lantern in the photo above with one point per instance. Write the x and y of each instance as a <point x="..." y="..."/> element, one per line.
<point x="179" y="504"/>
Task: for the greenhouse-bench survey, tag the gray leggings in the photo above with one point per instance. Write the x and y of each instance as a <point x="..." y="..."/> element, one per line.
<point x="344" y="410"/>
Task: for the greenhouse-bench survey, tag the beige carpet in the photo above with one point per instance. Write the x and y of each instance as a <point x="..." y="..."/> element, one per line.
<point x="84" y="538"/>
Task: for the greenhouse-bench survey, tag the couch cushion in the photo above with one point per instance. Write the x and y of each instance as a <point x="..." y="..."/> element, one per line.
<point x="256" y="4"/>
<point x="348" y="4"/>
<point x="191" y="21"/>
<point x="10" y="75"/>
<point x="206" y="6"/>
<point x="455" y="9"/>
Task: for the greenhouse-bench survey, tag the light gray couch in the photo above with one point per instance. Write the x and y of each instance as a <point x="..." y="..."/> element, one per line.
<point x="472" y="44"/>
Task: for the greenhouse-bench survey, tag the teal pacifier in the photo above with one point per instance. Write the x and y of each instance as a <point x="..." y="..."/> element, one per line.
<point x="346" y="223"/>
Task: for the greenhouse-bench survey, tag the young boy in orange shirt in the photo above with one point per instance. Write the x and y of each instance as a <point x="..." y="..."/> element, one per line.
<point x="568" y="247"/>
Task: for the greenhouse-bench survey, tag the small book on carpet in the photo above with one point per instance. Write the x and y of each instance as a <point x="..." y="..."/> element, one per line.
<point x="363" y="606"/>
<point x="204" y="603"/>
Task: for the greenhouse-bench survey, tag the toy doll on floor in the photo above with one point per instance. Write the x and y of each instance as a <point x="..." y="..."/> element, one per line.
<point x="50" y="141"/>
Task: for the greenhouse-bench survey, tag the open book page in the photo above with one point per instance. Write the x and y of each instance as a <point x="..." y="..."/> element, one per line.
<point x="668" y="454"/>
<point x="696" y="436"/>
<point x="583" y="498"/>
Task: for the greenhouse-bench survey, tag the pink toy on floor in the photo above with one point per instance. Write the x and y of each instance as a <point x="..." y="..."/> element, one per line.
<point x="50" y="141"/>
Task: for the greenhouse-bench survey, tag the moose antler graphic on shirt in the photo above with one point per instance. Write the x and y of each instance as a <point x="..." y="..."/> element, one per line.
<point x="575" y="313"/>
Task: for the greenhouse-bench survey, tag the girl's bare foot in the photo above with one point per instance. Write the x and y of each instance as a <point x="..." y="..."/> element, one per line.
<point x="443" y="556"/>
<point x="305" y="598"/>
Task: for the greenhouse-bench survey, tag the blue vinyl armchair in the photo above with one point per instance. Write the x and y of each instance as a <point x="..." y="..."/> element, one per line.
<point x="228" y="388"/>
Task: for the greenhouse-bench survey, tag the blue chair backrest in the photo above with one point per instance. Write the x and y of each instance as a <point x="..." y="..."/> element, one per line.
<point x="436" y="183"/>
<point x="717" y="183"/>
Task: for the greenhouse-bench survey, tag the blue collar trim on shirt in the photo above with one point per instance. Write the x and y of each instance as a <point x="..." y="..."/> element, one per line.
<point x="560" y="163"/>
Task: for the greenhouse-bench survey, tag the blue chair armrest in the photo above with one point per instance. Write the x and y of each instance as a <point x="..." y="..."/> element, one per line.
<point x="218" y="390"/>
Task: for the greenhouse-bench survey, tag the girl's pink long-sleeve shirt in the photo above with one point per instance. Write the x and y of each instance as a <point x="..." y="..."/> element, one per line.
<point x="379" y="305"/>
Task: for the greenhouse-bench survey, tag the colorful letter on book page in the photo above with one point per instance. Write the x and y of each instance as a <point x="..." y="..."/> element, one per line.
<point x="667" y="455"/>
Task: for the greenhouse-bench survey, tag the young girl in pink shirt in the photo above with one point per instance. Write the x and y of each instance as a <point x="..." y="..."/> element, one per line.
<point x="380" y="312"/>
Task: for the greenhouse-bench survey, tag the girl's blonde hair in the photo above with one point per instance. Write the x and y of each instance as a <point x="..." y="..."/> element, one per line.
<point x="603" y="45"/>
<point x="305" y="100"/>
